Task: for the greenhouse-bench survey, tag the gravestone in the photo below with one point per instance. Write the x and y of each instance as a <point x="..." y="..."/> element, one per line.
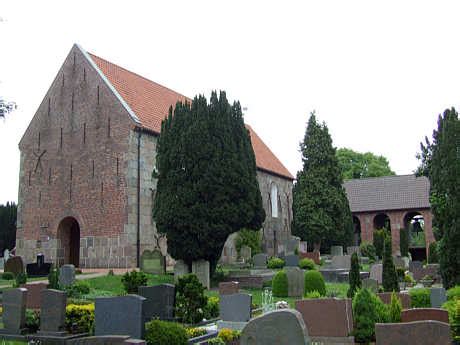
<point x="260" y="260"/>
<point x="235" y="307"/>
<point x="341" y="262"/>
<point x="180" y="269"/>
<point x="14" y="310"/>
<point x="201" y="269"/>
<point x="159" y="301"/>
<point x="278" y="327"/>
<point x="413" y="333"/>
<point x="370" y="284"/>
<point x="39" y="268"/>
<point x="66" y="275"/>
<point x="52" y="312"/>
<point x="421" y="314"/>
<point x="303" y="247"/>
<point x="153" y="262"/>
<point x="376" y="272"/>
<point x="404" y="297"/>
<point x="14" y="265"/>
<point x="245" y="253"/>
<point x="336" y="251"/>
<point x="291" y="260"/>
<point x="228" y="288"/>
<point x="353" y="249"/>
<point x="122" y="315"/>
<point x="326" y="317"/>
<point x="296" y="281"/>
<point x="2" y="263"/>
<point x="416" y="267"/>
<point x="34" y="292"/>
<point x="291" y="245"/>
<point x="438" y="297"/>
<point x="6" y="255"/>
<point x="315" y="256"/>
<point x="399" y="262"/>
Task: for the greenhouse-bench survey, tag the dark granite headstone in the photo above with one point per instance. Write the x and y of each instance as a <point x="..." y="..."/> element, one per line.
<point x="14" y="265"/>
<point x="39" y="268"/>
<point x="291" y="260"/>
<point x="159" y="301"/>
<point x="413" y="333"/>
<point x="52" y="311"/>
<point x="34" y="293"/>
<point x="260" y="260"/>
<point x="14" y="310"/>
<point x="122" y="315"/>
<point x="279" y="327"/>
<point x="235" y="307"/>
<point x="153" y="262"/>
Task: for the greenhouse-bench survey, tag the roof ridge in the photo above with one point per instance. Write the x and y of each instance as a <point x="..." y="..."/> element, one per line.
<point x="380" y="177"/>
<point x="138" y="75"/>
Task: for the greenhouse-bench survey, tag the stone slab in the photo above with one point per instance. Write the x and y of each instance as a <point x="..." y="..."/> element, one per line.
<point x="422" y="314"/>
<point x="66" y="275"/>
<point x="14" y="265"/>
<point x="34" y="294"/>
<point x="376" y="272"/>
<point x="353" y="249"/>
<point x="331" y="275"/>
<point x="152" y="261"/>
<point x="260" y="260"/>
<point x="201" y="269"/>
<point x="160" y="300"/>
<point x="370" y="284"/>
<point x="278" y="327"/>
<point x="296" y="281"/>
<point x="52" y="311"/>
<point x="341" y="262"/>
<point x="327" y="317"/>
<point x="291" y="260"/>
<point x="235" y="307"/>
<point x="236" y="326"/>
<point x="14" y="310"/>
<point x="413" y="333"/>
<point x="228" y="288"/>
<point x="180" y="269"/>
<point x="315" y="256"/>
<point x="437" y="297"/>
<point x="336" y="251"/>
<point x="122" y="315"/>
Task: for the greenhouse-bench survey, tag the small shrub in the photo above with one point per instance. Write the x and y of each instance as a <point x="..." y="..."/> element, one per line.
<point x="211" y="310"/>
<point x="216" y="341"/>
<point x="400" y="272"/>
<point x="453" y="293"/>
<point x="420" y="298"/>
<point x="218" y="276"/>
<point x="79" y="318"/>
<point x="367" y="249"/>
<point x="110" y="273"/>
<point x="7" y="275"/>
<point x="395" y="308"/>
<point x="312" y="295"/>
<point x="408" y="279"/>
<point x="32" y="320"/>
<point x="368" y="309"/>
<point x="228" y="335"/>
<point x="77" y="289"/>
<point x="20" y="279"/>
<point x="307" y="264"/>
<point x="455" y="321"/>
<point x="53" y="279"/>
<point x="165" y="333"/>
<point x="132" y="280"/>
<point x="249" y="238"/>
<point x="433" y="257"/>
<point x="314" y="281"/>
<point x="194" y="332"/>
<point x="190" y="300"/>
<point x="280" y="284"/>
<point x="275" y="263"/>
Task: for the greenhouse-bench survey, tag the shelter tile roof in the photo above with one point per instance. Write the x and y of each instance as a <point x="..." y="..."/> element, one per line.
<point x="388" y="193"/>
<point x="150" y="102"/>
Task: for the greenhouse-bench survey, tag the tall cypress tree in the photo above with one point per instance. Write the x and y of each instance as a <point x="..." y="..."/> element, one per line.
<point x="354" y="277"/>
<point x="389" y="275"/>
<point x="321" y="213"/>
<point x="8" y="214"/>
<point x="207" y="183"/>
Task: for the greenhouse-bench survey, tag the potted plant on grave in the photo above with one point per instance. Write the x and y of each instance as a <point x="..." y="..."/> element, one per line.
<point x="427" y="280"/>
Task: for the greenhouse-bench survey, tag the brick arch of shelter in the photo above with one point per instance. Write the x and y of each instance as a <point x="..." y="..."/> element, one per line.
<point x="396" y="223"/>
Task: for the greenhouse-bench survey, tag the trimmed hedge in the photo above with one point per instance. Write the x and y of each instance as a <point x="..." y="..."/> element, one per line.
<point x="275" y="263"/>
<point x="420" y="298"/>
<point x="81" y="317"/>
<point x="453" y="293"/>
<point x="314" y="281"/>
<point x="280" y="284"/>
<point x="307" y="264"/>
<point x="165" y="333"/>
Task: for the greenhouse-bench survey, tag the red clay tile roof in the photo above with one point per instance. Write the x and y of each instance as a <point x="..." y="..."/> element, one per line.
<point x="150" y="102"/>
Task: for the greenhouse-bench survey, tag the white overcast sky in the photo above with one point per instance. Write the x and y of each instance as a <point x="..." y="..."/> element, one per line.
<point x="377" y="72"/>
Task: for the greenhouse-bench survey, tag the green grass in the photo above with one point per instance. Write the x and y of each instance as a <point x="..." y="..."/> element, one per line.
<point x="12" y="342"/>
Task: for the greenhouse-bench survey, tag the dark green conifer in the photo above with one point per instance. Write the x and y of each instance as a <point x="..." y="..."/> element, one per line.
<point x="389" y="275"/>
<point x="354" y="278"/>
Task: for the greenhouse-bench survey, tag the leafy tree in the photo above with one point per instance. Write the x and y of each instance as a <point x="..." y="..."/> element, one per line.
<point x="389" y="275"/>
<point x="8" y="214"/>
<point x="360" y="165"/>
<point x="440" y="161"/>
<point x="6" y="107"/>
<point x="207" y="185"/>
<point x="354" y="276"/>
<point x="248" y="238"/>
<point x="321" y="213"/>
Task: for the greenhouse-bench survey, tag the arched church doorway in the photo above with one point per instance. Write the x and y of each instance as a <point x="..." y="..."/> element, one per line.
<point x="415" y="225"/>
<point x="69" y="242"/>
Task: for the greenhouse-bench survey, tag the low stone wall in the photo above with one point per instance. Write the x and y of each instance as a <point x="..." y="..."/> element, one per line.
<point x="256" y="282"/>
<point x="413" y="333"/>
<point x="421" y="314"/>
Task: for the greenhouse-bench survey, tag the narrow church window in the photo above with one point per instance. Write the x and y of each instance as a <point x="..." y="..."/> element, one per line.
<point x="63" y="78"/>
<point x="49" y="176"/>
<point x="39" y="198"/>
<point x="102" y="193"/>
<point x="98" y="95"/>
<point x="84" y="74"/>
<point x="84" y="133"/>
<point x="30" y="176"/>
<point x="60" y="142"/>
<point x="70" y="192"/>
<point x="39" y="141"/>
<point x="117" y="166"/>
<point x="71" y="107"/>
<point x="74" y="60"/>
<point x="71" y="172"/>
<point x="274" y="200"/>
<point x="108" y="128"/>
<point x="92" y="174"/>
<point x="49" y="106"/>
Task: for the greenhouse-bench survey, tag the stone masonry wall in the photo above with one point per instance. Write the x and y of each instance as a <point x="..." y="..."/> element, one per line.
<point x="73" y="164"/>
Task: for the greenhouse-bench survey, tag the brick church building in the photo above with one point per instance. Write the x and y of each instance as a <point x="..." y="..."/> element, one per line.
<point x="85" y="186"/>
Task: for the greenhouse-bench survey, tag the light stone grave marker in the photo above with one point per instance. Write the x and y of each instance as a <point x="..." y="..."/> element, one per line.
<point x="341" y="262"/>
<point x="296" y="281"/>
<point x="180" y="269"/>
<point x="245" y="253"/>
<point x="235" y="307"/>
<point x="153" y="262"/>
<point x="336" y="251"/>
<point x="66" y="275"/>
<point x="260" y="260"/>
<point x="371" y="284"/>
<point x="437" y="297"/>
<point x="201" y="269"/>
<point x="376" y="272"/>
<point x="291" y="260"/>
<point x="52" y="312"/>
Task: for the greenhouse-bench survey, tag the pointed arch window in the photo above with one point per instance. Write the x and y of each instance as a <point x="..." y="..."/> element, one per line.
<point x="274" y="200"/>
